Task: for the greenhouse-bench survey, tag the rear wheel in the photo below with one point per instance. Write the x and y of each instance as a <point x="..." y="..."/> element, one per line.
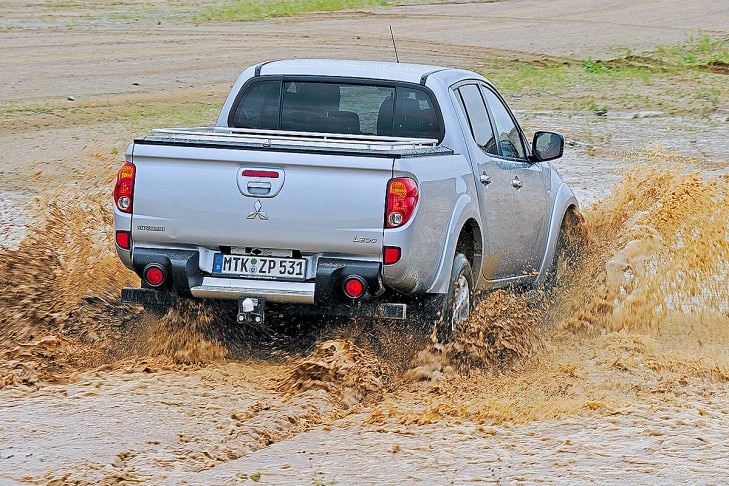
<point x="459" y="300"/>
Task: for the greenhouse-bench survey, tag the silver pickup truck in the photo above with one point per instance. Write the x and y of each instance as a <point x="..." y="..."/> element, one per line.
<point x="347" y="188"/>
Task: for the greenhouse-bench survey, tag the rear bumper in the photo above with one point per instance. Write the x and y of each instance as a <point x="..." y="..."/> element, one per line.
<point x="271" y="290"/>
<point x="186" y="279"/>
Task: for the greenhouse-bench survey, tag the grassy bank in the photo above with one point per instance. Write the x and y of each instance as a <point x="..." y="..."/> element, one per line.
<point x="687" y="78"/>
<point x="73" y="14"/>
<point x="248" y="10"/>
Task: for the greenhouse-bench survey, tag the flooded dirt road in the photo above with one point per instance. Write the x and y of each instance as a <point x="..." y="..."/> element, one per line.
<point x="620" y="377"/>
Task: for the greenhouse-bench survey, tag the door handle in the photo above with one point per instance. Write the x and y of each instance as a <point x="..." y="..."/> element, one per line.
<point x="516" y="183"/>
<point x="259" y="188"/>
<point x="485" y="179"/>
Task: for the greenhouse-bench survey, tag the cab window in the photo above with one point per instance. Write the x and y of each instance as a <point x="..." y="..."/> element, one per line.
<point x="259" y="107"/>
<point x="336" y="106"/>
<point x="478" y="118"/>
<point x="511" y="144"/>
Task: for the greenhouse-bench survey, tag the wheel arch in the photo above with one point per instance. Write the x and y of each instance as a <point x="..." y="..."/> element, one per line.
<point x="565" y="204"/>
<point x="464" y="234"/>
<point x="470" y="243"/>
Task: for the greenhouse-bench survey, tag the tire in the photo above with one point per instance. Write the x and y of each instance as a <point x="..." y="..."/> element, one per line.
<point x="559" y="262"/>
<point x="571" y="237"/>
<point x="458" y="301"/>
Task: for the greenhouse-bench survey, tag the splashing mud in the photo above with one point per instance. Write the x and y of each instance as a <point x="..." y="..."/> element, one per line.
<point x="350" y="373"/>
<point x="502" y="332"/>
<point x="59" y="284"/>
<point x="640" y="316"/>
<point x="60" y="311"/>
<point x="185" y="334"/>
<point x="657" y="247"/>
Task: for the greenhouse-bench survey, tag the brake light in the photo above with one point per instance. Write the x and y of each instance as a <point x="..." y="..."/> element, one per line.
<point x="124" y="188"/>
<point x="402" y="197"/>
<point x="271" y="174"/>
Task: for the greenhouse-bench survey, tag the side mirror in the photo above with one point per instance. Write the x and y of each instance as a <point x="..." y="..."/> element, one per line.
<point x="547" y="146"/>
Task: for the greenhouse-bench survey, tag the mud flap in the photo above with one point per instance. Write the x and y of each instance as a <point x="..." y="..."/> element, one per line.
<point x="133" y="295"/>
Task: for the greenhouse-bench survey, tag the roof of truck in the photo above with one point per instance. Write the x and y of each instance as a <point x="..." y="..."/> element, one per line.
<point x="411" y="73"/>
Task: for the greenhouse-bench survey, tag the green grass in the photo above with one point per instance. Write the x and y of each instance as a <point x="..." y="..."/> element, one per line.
<point x="685" y="78"/>
<point x="248" y="10"/>
<point x="188" y="11"/>
<point x="526" y="76"/>
<point x="698" y="53"/>
<point x="145" y="116"/>
<point x="701" y="51"/>
<point x="62" y="4"/>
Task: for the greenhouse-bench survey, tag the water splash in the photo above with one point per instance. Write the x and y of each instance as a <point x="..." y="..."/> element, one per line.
<point x="643" y="310"/>
<point x="641" y="316"/>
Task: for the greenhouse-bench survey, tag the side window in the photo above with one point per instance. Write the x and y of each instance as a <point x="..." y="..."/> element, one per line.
<point x="258" y="108"/>
<point x="510" y="141"/>
<point x="478" y="118"/>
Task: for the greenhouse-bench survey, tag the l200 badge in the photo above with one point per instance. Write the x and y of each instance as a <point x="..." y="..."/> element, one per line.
<point x="258" y="212"/>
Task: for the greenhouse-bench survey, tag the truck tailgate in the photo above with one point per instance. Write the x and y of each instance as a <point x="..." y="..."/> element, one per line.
<point x="221" y="196"/>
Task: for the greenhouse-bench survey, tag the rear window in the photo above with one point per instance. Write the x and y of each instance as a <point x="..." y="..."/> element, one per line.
<point x="337" y="107"/>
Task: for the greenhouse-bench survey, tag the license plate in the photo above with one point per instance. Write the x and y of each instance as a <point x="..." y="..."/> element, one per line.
<point x="259" y="267"/>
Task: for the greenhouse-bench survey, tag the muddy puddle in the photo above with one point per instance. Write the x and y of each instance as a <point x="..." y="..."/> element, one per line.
<point x="12" y="231"/>
<point x="633" y="342"/>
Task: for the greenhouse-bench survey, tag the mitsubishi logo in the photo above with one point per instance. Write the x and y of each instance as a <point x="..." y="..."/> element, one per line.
<point x="257" y="213"/>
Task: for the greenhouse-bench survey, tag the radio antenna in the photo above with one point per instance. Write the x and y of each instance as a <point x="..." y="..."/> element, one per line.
<point x="393" y="44"/>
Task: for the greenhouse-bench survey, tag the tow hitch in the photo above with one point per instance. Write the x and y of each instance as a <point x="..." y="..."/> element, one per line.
<point x="251" y="310"/>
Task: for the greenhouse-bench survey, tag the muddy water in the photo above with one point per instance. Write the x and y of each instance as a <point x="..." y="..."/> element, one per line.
<point x="12" y="230"/>
<point x="600" y="148"/>
<point x="624" y="369"/>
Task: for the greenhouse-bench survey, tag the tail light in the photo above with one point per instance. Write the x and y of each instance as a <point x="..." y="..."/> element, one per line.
<point x="124" y="188"/>
<point x="354" y="287"/>
<point x="402" y="197"/>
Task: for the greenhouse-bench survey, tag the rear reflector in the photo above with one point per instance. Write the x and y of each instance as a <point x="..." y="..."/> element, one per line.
<point x="354" y="287"/>
<point x="392" y="255"/>
<point x="123" y="240"/>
